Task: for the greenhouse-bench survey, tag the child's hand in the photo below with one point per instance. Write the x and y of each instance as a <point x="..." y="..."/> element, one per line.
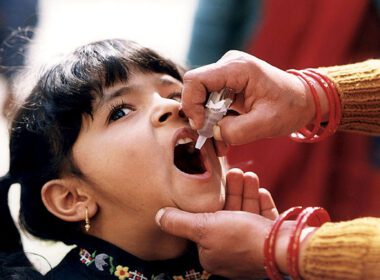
<point x="243" y="193"/>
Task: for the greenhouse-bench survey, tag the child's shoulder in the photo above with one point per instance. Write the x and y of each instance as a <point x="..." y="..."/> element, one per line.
<point x="67" y="268"/>
<point x="17" y="266"/>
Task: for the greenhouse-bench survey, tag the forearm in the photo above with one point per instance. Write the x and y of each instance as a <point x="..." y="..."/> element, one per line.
<point x="358" y="86"/>
<point x="346" y="250"/>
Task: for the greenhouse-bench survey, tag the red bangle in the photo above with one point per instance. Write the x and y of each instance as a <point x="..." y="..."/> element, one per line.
<point x="329" y="129"/>
<point x="312" y="216"/>
<point x="334" y="93"/>
<point x="270" y="264"/>
<point x="305" y="135"/>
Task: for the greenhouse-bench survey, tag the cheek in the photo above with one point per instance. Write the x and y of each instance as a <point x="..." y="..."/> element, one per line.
<point x="116" y="164"/>
<point x="105" y="149"/>
<point x="119" y="159"/>
<point x="126" y="165"/>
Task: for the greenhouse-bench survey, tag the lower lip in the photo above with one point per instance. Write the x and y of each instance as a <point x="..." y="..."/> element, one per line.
<point x="203" y="176"/>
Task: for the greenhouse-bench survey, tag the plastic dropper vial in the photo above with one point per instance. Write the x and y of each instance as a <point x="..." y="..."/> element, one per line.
<point x="216" y="107"/>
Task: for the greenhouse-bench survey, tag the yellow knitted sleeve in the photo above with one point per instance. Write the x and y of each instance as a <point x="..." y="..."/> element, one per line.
<point x="359" y="89"/>
<point x="345" y="250"/>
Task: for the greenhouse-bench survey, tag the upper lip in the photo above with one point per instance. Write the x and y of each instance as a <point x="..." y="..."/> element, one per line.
<point x="183" y="133"/>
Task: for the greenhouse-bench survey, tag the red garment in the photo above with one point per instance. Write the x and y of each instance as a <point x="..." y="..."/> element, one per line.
<point x="336" y="173"/>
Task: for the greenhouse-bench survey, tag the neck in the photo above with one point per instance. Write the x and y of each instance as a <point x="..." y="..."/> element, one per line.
<point x="144" y="240"/>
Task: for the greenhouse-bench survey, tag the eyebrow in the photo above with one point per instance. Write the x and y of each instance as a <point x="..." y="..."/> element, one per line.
<point x="167" y="81"/>
<point x="119" y="92"/>
<point x="105" y="98"/>
<point x="128" y="89"/>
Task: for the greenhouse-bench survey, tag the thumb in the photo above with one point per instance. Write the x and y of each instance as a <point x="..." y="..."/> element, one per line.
<point x="182" y="224"/>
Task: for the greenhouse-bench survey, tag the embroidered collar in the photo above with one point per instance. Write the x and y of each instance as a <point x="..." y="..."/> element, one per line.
<point x="110" y="260"/>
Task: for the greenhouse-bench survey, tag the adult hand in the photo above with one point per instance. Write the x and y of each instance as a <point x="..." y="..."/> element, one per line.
<point x="230" y="243"/>
<point x="271" y="102"/>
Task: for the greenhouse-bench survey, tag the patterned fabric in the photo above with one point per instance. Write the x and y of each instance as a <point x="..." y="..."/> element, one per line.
<point x="94" y="258"/>
<point x="105" y="263"/>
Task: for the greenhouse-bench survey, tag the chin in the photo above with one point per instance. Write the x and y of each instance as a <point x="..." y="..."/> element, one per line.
<point x="199" y="181"/>
<point x="204" y="204"/>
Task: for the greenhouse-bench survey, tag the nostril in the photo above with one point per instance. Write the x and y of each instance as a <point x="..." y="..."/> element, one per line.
<point x="182" y="114"/>
<point x="164" y="117"/>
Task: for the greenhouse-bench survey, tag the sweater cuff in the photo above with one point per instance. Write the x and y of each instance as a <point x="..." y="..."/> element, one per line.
<point x="346" y="250"/>
<point x="358" y="86"/>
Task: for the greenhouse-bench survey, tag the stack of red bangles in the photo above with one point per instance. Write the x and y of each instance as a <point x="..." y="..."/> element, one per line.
<point x="310" y="216"/>
<point x="318" y="132"/>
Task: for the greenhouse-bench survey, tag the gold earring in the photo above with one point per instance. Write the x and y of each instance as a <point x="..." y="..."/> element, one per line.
<point x="87" y="225"/>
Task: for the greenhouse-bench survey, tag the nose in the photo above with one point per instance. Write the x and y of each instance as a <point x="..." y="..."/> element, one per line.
<point x="166" y="110"/>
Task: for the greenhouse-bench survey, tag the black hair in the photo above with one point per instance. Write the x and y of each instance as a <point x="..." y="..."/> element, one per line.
<point x="46" y="126"/>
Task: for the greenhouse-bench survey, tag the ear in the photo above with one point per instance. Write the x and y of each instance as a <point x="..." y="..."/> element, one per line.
<point x="68" y="199"/>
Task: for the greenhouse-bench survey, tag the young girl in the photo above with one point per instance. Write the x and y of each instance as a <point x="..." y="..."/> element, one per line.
<point x="98" y="147"/>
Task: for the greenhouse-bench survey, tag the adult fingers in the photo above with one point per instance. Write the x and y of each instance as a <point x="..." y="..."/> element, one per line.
<point x="209" y="78"/>
<point x="251" y="201"/>
<point x="234" y="189"/>
<point x="258" y="123"/>
<point x="233" y="55"/>
<point x="267" y="205"/>
<point x="183" y="224"/>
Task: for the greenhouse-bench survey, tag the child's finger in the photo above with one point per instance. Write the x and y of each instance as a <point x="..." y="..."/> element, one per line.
<point x="251" y="201"/>
<point x="267" y="206"/>
<point x="234" y="189"/>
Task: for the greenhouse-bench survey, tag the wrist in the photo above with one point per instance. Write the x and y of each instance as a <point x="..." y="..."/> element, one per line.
<point x="308" y="105"/>
<point x="323" y="101"/>
<point x="325" y="109"/>
<point x="307" y="233"/>
<point x="282" y="244"/>
<point x="311" y="107"/>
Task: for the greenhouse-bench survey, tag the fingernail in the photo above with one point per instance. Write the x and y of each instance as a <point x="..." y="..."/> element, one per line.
<point x="191" y="122"/>
<point x="217" y="133"/>
<point x="159" y="215"/>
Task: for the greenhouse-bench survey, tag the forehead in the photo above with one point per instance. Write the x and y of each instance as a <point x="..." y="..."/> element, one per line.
<point x="137" y="82"/>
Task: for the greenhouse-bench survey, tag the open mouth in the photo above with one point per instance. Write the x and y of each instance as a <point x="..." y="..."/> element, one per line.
<point x="187" y="158"/>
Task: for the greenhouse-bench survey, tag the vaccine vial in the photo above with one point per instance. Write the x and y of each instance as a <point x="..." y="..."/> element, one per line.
<point x="216" y="107"/>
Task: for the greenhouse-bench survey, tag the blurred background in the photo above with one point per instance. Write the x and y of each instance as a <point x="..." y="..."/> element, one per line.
<point x="341" y="174"/>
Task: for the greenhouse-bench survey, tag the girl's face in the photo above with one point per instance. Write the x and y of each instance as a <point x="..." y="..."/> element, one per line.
<point x="137" y="152"/>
